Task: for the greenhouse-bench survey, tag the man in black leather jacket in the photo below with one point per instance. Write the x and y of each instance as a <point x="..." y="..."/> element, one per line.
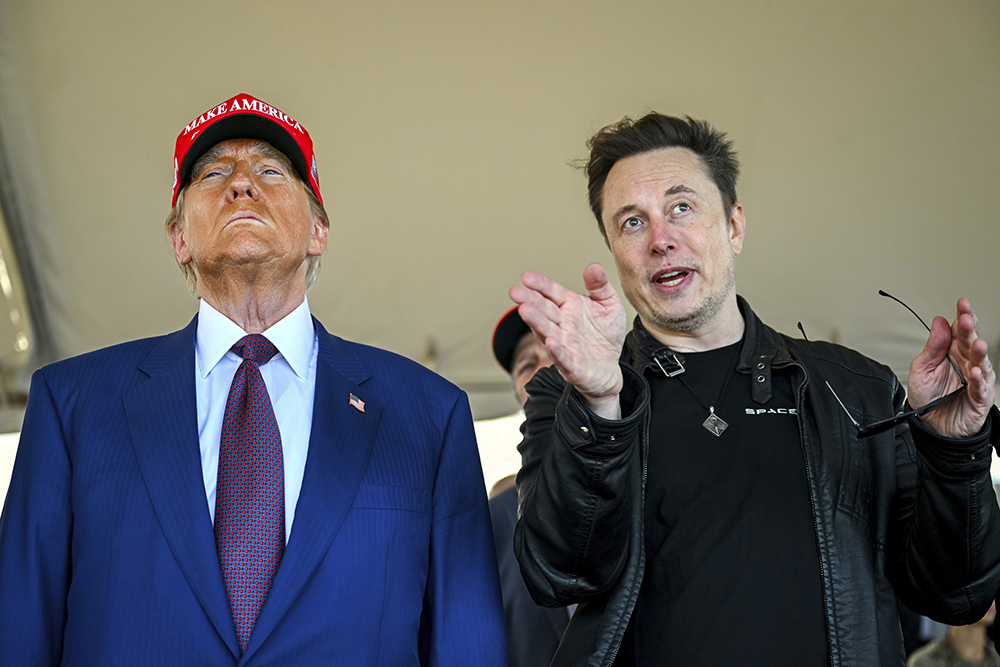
<point x="633" y="507"/>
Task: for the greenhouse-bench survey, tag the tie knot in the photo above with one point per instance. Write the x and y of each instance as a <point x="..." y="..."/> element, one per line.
<point x="255" y="347"/>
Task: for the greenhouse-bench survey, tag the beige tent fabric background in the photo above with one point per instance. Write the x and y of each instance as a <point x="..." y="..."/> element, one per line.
<point x="868" y="133"/>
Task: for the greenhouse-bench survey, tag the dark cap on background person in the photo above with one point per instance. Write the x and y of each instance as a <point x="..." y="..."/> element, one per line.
<point x="519" y="351"/>
<point x="508" y="333"/>
<point x="244" y="117"/>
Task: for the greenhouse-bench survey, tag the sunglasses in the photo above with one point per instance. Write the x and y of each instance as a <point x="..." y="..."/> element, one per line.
<point x="870" y="428"/>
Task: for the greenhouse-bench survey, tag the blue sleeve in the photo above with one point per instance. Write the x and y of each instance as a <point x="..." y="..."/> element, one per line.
<point x="36" y="530"/>
<point x="462" y="620"/>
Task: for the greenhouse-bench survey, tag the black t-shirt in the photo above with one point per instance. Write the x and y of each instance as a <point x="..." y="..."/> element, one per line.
<point x="732" y="568"/>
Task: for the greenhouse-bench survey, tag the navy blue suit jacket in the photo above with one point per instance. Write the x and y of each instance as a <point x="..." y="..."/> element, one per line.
<point x="107" y="555"/>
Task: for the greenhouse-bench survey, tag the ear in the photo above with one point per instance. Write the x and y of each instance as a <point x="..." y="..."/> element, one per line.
<point x="181" y="250"/>
<point x="737" y="229"/>
<point x="320" y="235"/>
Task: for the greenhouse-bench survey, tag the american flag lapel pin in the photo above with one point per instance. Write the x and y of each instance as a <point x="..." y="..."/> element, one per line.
<point x="357" y="403"/>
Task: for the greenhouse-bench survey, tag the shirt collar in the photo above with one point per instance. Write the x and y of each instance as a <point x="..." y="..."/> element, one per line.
<point x="293" y="335"/>
<point x="648" y="353"/>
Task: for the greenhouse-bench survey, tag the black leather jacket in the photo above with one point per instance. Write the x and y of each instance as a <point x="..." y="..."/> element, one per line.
<point x="899" y="513"/>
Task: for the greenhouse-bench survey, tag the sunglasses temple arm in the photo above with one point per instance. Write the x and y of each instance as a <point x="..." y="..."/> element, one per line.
<point x="947" y="356"/>
<point x="827" y="383"/>
<point x="886" y="294"/>
<point x="955" y="368"/>
<point x="846" y="411"/>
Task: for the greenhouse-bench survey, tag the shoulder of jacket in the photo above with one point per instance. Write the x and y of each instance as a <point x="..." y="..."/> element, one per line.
<point x="125" y="355"/>
<point x="405" y="375"/>
<point x="837" y="356"/>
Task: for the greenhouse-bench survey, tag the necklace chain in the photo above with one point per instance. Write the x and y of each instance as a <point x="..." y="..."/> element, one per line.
<point x="714" y="424"/>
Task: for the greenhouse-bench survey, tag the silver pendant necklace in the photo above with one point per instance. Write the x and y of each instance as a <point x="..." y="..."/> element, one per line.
<point x="714" y="424"/>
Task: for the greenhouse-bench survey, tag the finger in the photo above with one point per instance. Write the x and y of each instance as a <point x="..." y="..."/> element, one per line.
<point x="541" y="307"/>
<point x="520" y="294"/>
<point x="541" y="326"/>
<point x="964" y="336"/>
<point x="540" y="314"/>
<point x="981" y="392"/>
<point x="980" y="364"/>
<point x="989" y="373"/>
<point x="535" y="314"/>
<point x="965" y="326"/>
<point x="525" y="295"/>
<point x="595" y="279"/>
<point x="965" y="308"/>
<point x="938" y="342"/>
<point x="979" y="375"/>
<point x="550" y="288"/>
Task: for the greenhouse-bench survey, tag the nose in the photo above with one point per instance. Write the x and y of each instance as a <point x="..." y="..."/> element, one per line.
<point x="242" y="183"/>
<point x="662" y="238"/>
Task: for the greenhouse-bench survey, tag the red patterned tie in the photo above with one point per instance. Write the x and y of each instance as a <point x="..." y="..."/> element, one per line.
<point x="250" y="496"/>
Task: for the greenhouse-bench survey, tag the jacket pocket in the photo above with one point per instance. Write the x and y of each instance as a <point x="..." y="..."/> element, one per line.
<point x="405" y="498"/>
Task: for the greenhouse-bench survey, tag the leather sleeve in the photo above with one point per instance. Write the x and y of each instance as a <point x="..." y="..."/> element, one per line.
<point x="578" y="488"/>
<point x="946" y="561"/>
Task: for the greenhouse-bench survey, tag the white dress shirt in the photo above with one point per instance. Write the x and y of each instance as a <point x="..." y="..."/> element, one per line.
<point x="290" y="377"/>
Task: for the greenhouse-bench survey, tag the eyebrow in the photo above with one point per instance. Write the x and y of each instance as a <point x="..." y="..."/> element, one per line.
<point x="631" y="208"/>
<point x="216" y="152"/>
<point x="678" y="189"/>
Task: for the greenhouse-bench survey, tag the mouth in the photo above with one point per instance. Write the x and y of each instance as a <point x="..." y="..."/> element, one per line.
<point x="245" y="215"/>
<point x="670" y="278"/>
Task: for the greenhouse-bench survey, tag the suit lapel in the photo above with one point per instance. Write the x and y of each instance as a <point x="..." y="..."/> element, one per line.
<point x="163" y="421"/>
<point x="340" y="444"/>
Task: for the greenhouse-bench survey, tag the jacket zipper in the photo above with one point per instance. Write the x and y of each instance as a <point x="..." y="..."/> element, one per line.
<point x="799" y="401"/>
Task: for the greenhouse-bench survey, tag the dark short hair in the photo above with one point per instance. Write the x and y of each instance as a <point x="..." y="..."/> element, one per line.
<point x="652" y="132"/>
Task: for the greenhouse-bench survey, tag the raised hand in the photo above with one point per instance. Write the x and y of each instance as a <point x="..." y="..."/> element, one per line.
<point x="931" y="376"/>
<point x="583" y="333"/>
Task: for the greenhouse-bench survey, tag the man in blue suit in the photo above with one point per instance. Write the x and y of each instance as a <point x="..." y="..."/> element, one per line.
<point x="250" y="490"/>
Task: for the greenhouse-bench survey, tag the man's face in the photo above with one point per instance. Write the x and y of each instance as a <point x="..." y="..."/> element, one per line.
<point x="530" y="356"/>
<point x="674" y="245"/>
<point x="245" y="208"/>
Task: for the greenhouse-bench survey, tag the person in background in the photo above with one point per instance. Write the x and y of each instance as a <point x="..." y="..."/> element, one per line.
<point x="251" y="489"/>
<point x="533" y="632"/>
<point x="962" y="646"/>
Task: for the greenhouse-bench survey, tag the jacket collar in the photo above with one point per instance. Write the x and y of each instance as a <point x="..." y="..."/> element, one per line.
<point x="762" y="348"/>
<point x="163" y="421"/>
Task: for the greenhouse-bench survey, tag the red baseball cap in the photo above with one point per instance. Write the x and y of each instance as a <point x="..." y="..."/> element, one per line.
<point x="244" y="117"/>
